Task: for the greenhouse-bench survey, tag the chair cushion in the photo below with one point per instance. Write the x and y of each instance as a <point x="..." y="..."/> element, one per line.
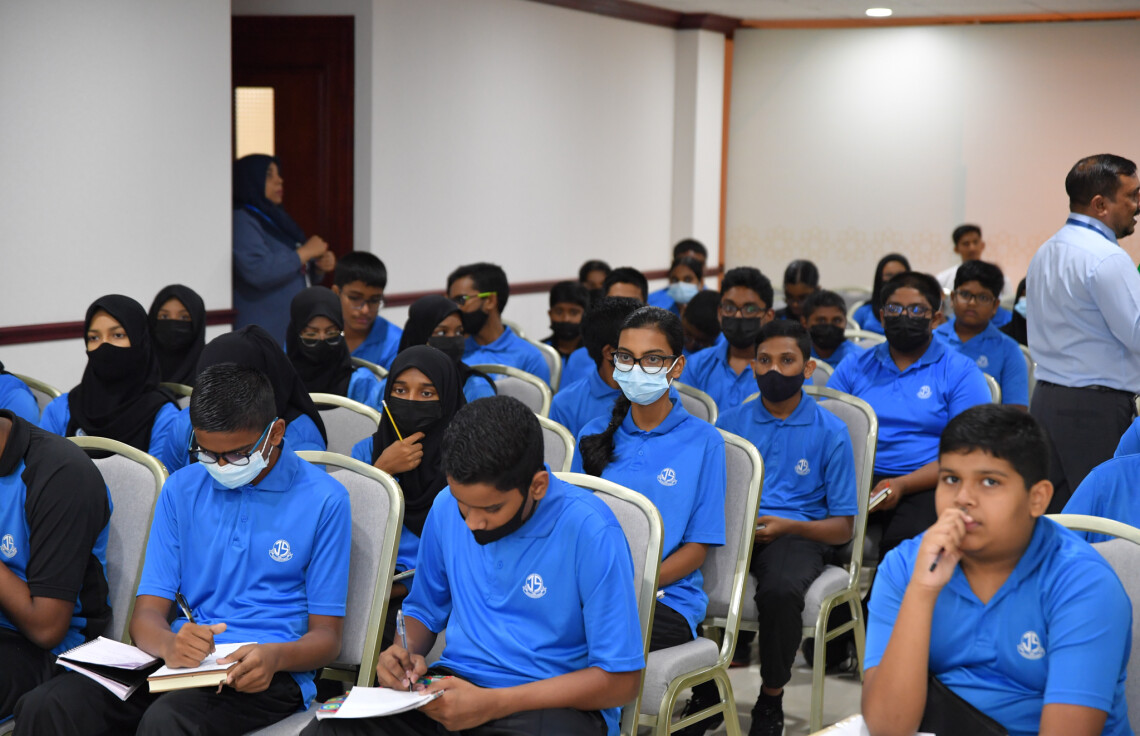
<point x="832" y="580"/>
<point x="665" y="665"/>
<point x="290" y="726"/>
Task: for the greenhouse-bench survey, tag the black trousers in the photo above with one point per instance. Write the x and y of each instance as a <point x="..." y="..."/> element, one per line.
<point x="26" y="666"/>
<point x="554" y="722"/>
<point x="914" y="514"/>
<point x="670" y="628"/>
<point x="75" y="705"/>
<point x="1084" y="427"/>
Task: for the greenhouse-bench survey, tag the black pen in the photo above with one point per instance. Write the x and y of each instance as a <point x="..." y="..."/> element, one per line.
<point x="181" y="601"/>
<point x="937" y="558"/>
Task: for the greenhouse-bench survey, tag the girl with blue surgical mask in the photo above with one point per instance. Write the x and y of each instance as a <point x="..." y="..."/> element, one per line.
<point x="653" y="446"/>
<point x="686" y="280"/>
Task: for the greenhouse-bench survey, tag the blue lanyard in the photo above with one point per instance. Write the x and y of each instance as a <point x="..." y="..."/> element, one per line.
<point x="1094" y="228"/>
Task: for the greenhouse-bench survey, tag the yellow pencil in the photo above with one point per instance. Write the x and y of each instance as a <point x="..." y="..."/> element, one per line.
<point x="393" y="421"/>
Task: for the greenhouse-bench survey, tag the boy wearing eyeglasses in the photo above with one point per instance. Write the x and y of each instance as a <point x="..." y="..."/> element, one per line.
<point x="973" y="333"/>
<point x="359" y="280"/>
<point x="481" y="291"/>
<point x="915" y="384"/>
<point x="255" y="541"/>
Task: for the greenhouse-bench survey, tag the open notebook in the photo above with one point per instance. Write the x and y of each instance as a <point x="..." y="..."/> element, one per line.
<point x="209" y="673"/>
<point x="119" y="667"/>
<point x="369" y="702"/>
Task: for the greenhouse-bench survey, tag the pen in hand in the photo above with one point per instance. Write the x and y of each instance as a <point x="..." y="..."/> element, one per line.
<point x="403" y="633"/>
<point x="181" y="601"/>
<point x="937" y="558"/>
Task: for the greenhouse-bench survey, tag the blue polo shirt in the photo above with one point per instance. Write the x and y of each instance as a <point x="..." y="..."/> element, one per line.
<point x="508" y="349"/>
<point x="1002" y="318"/>
<point x="913" y="406"/>
<point x="710" y="371"/>
<point x="16" y="397"/>
<point x="554" y="597"/>
<point x="997" y="354"/>
<point x="300" y="434"/>
<point x="1130" y="441"/>
<point x="1108" y="491"/>
<point x="580" y="365"/>
<point x="57" y="415"/>
<point x="366" y="388"/>
<point x="808" y="457"/>
<point x="679" y="465"/>
<point x="258" y="558"/>
<point x="867" y="319"/>
<point x="381" y="345"/>
<point x="661" y="298"/>
<point x="1059" y="630"/>
<point x="409" y="542"/>
<point x="576" y="404"/>
<point x="845" y="348"/>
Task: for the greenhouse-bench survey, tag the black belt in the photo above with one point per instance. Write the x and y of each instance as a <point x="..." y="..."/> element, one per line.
<point x="1100" y="389"/>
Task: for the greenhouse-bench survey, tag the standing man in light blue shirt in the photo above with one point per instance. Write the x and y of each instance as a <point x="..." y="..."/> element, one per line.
<point x="1084" y="297"/>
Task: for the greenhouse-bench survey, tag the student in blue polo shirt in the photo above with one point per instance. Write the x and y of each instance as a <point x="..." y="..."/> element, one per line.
<point x="701" y="322"/>
<point x="650" y="444"/>
<point x="592" y="275"/>
<point x="54" y="511"/>
<point x="1108" y="491"/>
<point x="314" y="342"/>
<point x="889" y="266"/>
<point x="808" y="505"/>
<point x="688" y="249"/>
<point x="481" y="291"/>
<point x="916" y="385"/>
<point x="801" y="280"/>
<point x="16" y="397"/>
<point x="973" y="333"/>
<point x="359" y="280"/>
<point x="593" y="396"/>
<point x="1012" y="612"/>
<point x="686" y="280"/>
<point x="256" y="541"/>
<point x="569" y="301"/>
<point x="1130" y="441"/>
<point x="119" y="397"/>
<point x="724" y="370"/>
<point x="252" y="347"/>
<point x="531" y="578"/>
<point x="434" y="320"/>
<point x="824" y="315"/>
<point x="628" y="282"/>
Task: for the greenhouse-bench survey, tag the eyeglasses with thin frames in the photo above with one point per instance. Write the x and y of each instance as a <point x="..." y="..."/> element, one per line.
<point x="965" y="296"/>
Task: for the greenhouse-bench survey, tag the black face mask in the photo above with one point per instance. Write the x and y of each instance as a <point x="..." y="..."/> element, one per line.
<point x="566" y="331"/>
<point x="907" y="334"/>
<point x="486" y="536"/>
<point x="825" y="336"/>
<point x="775" y="386"/>
<point x="112" y="363"/>
<point x="414" y="416"/>
<point x="473" y="321"/>
<point x="320" y="354"/>
<point x="453" y="347"/>
<point x="741" y="332"/>
<point x="173" y="335"/>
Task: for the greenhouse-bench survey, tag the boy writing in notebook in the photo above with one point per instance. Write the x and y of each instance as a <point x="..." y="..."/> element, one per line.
<point x="256" y="541"/>
<point x="533" y="581"/>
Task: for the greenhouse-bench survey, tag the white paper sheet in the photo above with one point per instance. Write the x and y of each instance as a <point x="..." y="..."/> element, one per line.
<point x="209" y="664"/>
<point x="369" y="702"/>
<point x="111" y="653"/>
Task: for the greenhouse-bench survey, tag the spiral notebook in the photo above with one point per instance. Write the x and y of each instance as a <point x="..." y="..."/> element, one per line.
<point x="119" y="667"/>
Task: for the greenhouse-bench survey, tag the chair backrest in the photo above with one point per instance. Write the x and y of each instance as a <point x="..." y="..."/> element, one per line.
<point x="822" y="374"/>
<point x="1097" y="525"/>
<point x="43" y="392"/>
<point x="377" y="370"/>
<point x="515" y="327"/>
<point x="346" y="421"/>
<point x="645" y="533"/>
<point x="528" y="388"/>
<point x="851" y="310"/>
<point x="181" y="390"/>
<point x="864" y="339"/>
<point x="377" y="515"/>
<point x="557" y="445"/>
<point x="1031" y="368"/>
<point x="697" y="402"/>
<point x="553" y="361"/>
<point x="725" y="569"/>
<point x="134" y="480"/>
<point x="995" y="388"/>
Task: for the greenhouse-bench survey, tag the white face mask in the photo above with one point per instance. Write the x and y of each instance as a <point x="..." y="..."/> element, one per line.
<point x="235" y="476"/>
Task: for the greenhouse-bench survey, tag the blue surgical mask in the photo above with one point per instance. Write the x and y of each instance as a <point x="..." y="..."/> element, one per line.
<point x="682" y="292"/>
<point x="641" y="387"/>
<point x="235" y="476"/>
<point x="1020" y="305"/>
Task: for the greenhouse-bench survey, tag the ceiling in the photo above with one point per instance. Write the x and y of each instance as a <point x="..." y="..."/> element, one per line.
<point x="835" y="9"/>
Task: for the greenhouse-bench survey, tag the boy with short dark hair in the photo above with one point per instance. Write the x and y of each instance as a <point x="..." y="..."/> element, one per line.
<point x="359" y="280"/>
<point x="533" y="581"/>
<point x="626" y="282"/>
<point x="972" y="332"/>
<point x="700" y="321"/>
<point x="569" y="301"/>
<point x="481" y="291"/>
<point x="824" y="315"/>
<point x="1012" y="612"/>
<point x="969" y="246"/>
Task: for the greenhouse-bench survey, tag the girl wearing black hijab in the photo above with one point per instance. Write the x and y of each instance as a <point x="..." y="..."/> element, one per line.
<point x="315" y="344"/>
<point x="888" y="267"/>
<point x="271" y="254"/>
<point x="119" y="397"/>
<point x="177" y="321"/>
<point x="254" y="348"/>
<point x="434" y="320"/>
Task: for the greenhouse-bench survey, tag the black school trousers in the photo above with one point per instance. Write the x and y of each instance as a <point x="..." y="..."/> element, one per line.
<point x="26" y="666"/>
<point x="553" y="722"/>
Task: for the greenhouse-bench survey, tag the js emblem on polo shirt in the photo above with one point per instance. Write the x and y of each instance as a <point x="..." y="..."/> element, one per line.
<point x="667" y="477"/>
<point x="983" y="362"/>
<point x="924" y="392"/>
<point x="534" y="587"/>
<point x="1030" y="646"/>
<point x="280" y="551"/>
<point x="802" y="467"/>
<point x="8" y="546"/>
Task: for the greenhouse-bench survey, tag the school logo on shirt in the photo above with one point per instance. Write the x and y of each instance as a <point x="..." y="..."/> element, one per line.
<point x="1030" y="646"/>
<point x="280" y="551"/>
<point x="534" y="587"/>
<point x="8" y="546"/>
<point x="983" y="362"/>
<point x="924" y="392"/>
<point x="667" y="477"/>
<point x="802" y="467"/>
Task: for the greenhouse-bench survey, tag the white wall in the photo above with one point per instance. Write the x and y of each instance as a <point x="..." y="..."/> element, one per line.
<point x="848" y="144"/>
<point x="114" y="161"/>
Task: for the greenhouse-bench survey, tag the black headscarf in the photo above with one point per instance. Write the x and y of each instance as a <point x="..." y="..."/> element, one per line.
<point x="325" y="369"/>
<point x="877" y="285"/>
<point x="249" y="194"/>
<point x="253" y="347"/>
<point x="119" y="396"/>
<point x="178" y="348"/>
<point x="424" y="315"/>
<point x="422" y="485"/>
